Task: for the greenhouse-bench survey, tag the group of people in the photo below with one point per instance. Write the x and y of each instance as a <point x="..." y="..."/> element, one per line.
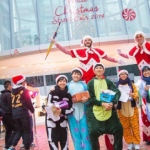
<point x="16" y="112"/>
<point x="92" y="117"/>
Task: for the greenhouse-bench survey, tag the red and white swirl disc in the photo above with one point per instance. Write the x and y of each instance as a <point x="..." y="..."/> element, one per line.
<point x="128" y="14"/>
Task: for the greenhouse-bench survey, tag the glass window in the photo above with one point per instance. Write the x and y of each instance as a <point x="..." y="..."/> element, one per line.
<point x="134" y="14"/>
<point x="25" y="23"/>
<point x="33" y="22"/>
<point x="149" y="4"/>
<point x="50" y="14"/>
<point x="145" y="23"/>
<point x="5" y="26"/>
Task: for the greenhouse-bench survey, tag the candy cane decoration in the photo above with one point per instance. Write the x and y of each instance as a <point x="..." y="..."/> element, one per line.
<point x="128" y="14"/>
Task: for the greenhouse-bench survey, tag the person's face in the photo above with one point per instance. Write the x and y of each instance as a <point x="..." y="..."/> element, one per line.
<point x="99" y="71"/>
<point x="62" y="83"/>
<point x="146" y="73"/>
<point x="24" y="84"/>
<point x="123" y="76"/>
<point x="76" y="76"/>
<point x="87" y="42"/>
<point x="10" y="87"/>
<point x="139" y="38"/>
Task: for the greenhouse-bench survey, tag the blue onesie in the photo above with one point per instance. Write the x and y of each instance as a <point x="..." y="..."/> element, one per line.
<point x="77" y="120"/>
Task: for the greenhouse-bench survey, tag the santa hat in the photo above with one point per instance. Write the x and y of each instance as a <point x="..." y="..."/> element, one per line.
<point x="86" y="37"/>
<point x="121" y="71"/>
<point x="60" y="76"/>
<point x="137" y="33"/>
<point x="77" y="69"/>
<point x="98" y="64"/>
<point x="18" y="79"/>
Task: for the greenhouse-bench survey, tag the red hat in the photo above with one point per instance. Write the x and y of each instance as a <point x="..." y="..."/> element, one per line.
<point x="86" y="37"/>
<point x="78" y="70"/>
<point x="59" y="76"/>
<point x="98" y="64"/>
<point x="121" y="71"/>
<point x="18" y="79"/>
<point x="137" y="33"/>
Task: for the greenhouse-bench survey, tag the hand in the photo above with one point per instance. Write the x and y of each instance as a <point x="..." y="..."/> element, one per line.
<point x="147" y="88"/>
<point x="131" y="94"/>
<point x="56" y="111"/>
<point x="107" y="106"/>
<point x="115" y="106"/>
<point x="52" y="88"/>
<point x="53" y="40"/>
<point x="121" y="62"/>
<point x="119" y="51"/>
<point x="84" y="99"/>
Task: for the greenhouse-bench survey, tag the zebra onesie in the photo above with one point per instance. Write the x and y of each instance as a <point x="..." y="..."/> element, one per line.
<point x="57" y="128"/>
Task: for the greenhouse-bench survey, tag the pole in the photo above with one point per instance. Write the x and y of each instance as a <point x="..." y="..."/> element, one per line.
<point x="0" y="130"/>
<point x="34" y="124"/>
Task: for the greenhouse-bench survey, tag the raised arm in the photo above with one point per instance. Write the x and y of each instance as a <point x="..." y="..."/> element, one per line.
<point x="121" y="54"/>
<point x="104" y="55"/>
<point x="120" y="61"/>
<point x="63" y="49"/>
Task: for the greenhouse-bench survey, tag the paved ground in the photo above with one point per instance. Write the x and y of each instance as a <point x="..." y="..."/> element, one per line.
<point x="41" y="138"/>
<point x="42" y="144"/>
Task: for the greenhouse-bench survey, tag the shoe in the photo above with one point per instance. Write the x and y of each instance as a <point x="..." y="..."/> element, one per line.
<point x="11" y="148"/>
<point x="5" y="148"/>
<point x="147" y="142"/>
<point x="130" y="146"/>
<point x="32" y="145"/>
<point x="22" y="148"/>
<point x="136" y="146"/>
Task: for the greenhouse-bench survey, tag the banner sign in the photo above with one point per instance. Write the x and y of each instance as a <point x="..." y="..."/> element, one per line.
<point x="76" y="10"/>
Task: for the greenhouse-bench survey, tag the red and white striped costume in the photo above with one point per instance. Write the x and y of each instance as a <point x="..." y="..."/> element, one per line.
<point x="142" y="56"/>
<point x="146" y="122"/>
<point x="87" y="59"/>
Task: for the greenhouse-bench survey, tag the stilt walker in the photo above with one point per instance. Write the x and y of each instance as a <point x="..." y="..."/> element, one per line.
<point x="145" y="108"/>
<point x="141" y="51"/>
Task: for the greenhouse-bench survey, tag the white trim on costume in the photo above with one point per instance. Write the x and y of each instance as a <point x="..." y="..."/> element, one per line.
<point x="80" y="58"/>
<point x="121" y="71"/>
<point x="22" y="80"/>
<point x="86" y="53"/>
<point x="78" y="70"/>
<point x="57" y="78"/>
<point x="136" y="51"/>
<point x="88" y="65"/>
<point x="130" y="56"/>
<point x="145" y="49"/>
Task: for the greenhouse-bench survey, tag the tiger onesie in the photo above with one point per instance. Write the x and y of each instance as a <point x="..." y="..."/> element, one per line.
<point x="129" y="115"/>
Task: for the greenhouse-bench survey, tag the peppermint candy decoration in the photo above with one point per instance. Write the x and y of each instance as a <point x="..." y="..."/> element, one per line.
<point x="128" y="14"/>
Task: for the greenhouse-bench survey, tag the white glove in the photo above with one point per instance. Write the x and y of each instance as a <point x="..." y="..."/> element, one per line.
<point x="119" y="51"/>
<point x="120" y="61"/>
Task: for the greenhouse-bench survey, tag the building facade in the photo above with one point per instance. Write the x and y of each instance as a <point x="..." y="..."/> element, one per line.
<point x="31" y="22"/>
